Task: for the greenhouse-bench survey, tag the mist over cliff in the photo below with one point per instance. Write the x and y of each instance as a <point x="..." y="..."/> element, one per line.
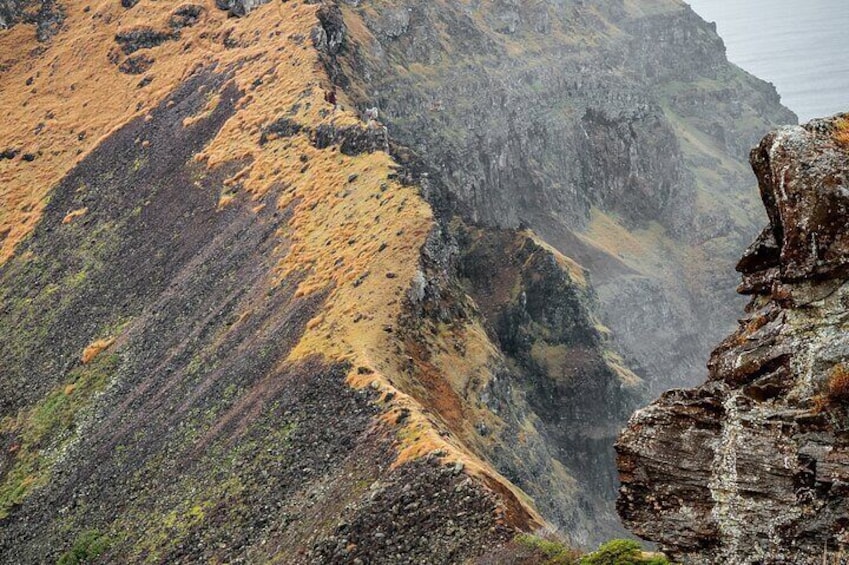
<point x="617" y="133"/>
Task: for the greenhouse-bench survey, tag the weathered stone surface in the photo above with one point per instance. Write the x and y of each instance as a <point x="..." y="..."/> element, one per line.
<point x="804" y="183"/>
<point x="143" y="37"/>
<point x="204" y="448"/>
<point x="551" y="370"/>
<point x="751" y="467"/>
<point x="329" y="35"/>
<point x="282" y="127"/>
<point x="186" y="15"/>
<point x="557" y="357"/>
<point x="47" y="16"/>
<point x="352" y="140"/>
<point x="239" y="8"/>
<point x="136" y="64"/>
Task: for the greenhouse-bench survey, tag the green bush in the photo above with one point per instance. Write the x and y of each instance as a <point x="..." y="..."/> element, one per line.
<point x="87" y="547"/>
<point x="622" y="552"/>
<point x="553" y="551"/>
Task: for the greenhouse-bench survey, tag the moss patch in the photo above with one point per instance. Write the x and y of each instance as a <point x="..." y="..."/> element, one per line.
<point x="623" y="552"/>
<point x="87" y="547"/>
<point x="41" y="431"/>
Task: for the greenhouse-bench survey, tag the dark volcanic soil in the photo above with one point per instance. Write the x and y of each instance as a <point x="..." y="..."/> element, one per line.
<point x="198" y="441"/>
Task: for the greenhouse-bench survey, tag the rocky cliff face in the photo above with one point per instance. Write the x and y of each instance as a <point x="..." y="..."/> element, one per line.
<point x="751" y="466"/>
<point x="577" y="122"/>
<point x="617" y="131"/>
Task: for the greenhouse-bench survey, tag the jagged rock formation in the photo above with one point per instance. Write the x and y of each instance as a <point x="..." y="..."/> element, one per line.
<point x="751" y="466"/>
<point x="239" y="7"/>
<point x="617" y="131"/>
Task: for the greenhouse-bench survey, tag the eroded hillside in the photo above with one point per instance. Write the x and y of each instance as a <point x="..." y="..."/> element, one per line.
<point x="233" y="330"/>
<point x="203" y="265"/>
<point x="242" y="324"/>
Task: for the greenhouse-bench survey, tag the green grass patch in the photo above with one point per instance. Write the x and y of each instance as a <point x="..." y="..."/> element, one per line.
<point x="623" y="552"/>
<point x="44" y="428"/>
<point x="554" y="552"/>
<point x="183" y="506"/>
<point x="87" y="547"/>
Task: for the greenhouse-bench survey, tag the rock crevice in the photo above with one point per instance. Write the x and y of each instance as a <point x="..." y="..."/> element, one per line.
<point x="751" y="466"/>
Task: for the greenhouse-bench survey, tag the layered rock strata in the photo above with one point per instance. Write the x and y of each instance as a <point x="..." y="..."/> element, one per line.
<point x="753" y="465"/>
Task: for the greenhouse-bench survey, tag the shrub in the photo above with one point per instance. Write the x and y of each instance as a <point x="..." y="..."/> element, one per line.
<point x="554" y="551"/>
<point x="87" y="547"/>
<point x="842" y="132"/>
<point x="622" y="552"/>
<point x="527" y="549"/>
<point x="837" y="390"/>
<point x="94" y="349"/>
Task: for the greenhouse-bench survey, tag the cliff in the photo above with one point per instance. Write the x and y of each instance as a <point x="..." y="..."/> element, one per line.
<point x="241" y="323"/>
<point x="751" y="466"/>
<point x="617" y="131"/>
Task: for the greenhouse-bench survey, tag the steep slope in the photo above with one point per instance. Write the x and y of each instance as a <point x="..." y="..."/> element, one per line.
<point x="751" y="466"/>
<point x="617" y="131"/>
<point x="239" y="323"/>
<point x="232" y="329"/>
<point x="193" y="359"/>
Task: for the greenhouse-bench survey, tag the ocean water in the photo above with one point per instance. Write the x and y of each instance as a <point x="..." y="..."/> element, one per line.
<point x="801" y="46"/>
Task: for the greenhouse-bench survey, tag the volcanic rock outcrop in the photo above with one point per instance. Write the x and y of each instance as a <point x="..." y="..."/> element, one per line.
<point x="753" y="465"/>
<point x="617" y="131"/>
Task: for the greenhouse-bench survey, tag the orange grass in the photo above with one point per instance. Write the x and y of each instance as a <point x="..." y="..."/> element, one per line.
<point x="340" y="230"/>
<point x="74" y="214"/>
<point x="837" y="387"/>
<point x="841" y="134"/>
<point x="94" y="349"/>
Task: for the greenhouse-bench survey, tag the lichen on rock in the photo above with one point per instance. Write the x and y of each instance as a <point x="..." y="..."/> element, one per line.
<point x="753" y="465"/>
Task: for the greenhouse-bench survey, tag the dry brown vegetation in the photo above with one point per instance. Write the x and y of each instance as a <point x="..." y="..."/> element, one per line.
<point x="74" y="214"/>
<point x="94" y="349"/>
<point x="837" y="386"/>
<point x="745" y="332"/>
<point x="841" y="133"/>
<point x="344" y="235"/>
<point x="61" y="99"/>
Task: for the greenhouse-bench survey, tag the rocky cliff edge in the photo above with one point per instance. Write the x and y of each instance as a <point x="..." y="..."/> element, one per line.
<point x="753" y="465"/>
